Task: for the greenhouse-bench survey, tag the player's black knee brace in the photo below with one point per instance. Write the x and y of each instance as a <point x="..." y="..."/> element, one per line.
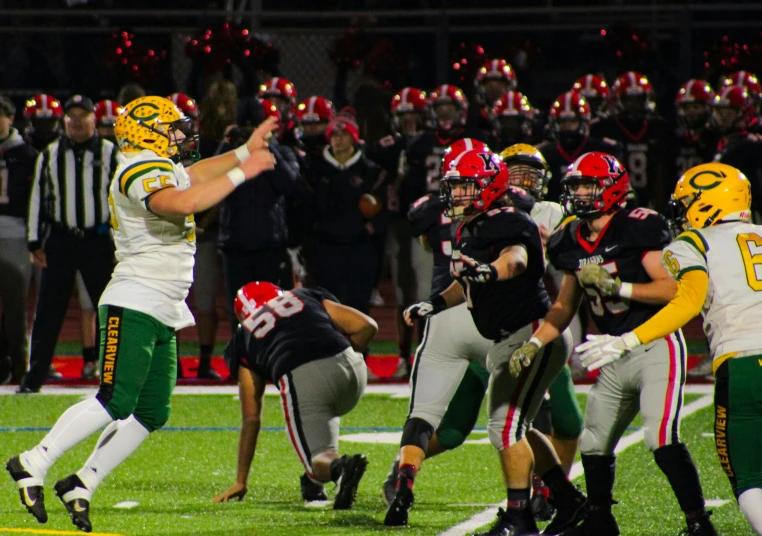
<point x="677" y="465"/>
<point x="417" y="432"/>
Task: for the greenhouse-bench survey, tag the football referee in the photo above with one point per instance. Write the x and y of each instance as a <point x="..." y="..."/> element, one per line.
<point x="68" y="227"/>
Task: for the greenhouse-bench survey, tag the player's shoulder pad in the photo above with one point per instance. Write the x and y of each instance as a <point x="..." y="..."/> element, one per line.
<point x="425" y="212"/>
<point x="561" y="240"/>
<point x="694" y="239"/>
<point x="143" y="167"/>
<point x="645" y="228"/>
<point x="503" y="222"/>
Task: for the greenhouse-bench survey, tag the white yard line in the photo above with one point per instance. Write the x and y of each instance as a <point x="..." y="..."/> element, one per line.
<point x="396" y="390"/>
<point x="486" y="516"/>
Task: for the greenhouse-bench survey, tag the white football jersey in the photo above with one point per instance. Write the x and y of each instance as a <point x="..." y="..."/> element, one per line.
<point x="155" y="253"/>
<point x="731" y="255"/>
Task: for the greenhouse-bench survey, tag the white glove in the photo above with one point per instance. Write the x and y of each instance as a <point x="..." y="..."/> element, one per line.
<point x="600" y="350"/>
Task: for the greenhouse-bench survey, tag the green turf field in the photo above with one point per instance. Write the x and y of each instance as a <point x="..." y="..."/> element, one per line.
<point x="174" y="475"/>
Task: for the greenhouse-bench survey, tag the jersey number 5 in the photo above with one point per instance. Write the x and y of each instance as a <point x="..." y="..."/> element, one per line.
<point x="751" y="251"/>
<point x="264" y="318"/>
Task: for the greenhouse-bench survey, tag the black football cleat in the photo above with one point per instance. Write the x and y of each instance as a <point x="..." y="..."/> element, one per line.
<point x="541" y="508"/>
<point x="399" y="508"/>
<point x="311" y="491"/>
<point x="32" y="496"/>
<point x="599" y="522"/>
<point x="701" y="526"/>
<point x="71" y="491"/>
<point x="351" y="473"/>
<point x="568" y="514"/>
<point x="508" y="524"/>
<point x="389" y="487"/>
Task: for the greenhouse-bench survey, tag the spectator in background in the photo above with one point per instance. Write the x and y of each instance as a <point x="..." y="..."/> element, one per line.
<point x="342" y="258"/>
<point x="72" y="172"/>
<point x="253" y="237"/>
<point x="129" y="93"/>
<point x="218" y="111"/>
<point x="16" y="173"/>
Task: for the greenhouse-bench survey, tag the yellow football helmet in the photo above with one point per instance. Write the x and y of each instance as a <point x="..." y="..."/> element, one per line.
<point x="153" y="123"/>
<point x="527" y="169"/>
<point x="709" y="194"/>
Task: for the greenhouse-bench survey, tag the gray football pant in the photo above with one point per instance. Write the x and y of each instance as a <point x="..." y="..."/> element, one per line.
<point x="513" y="402"/>
<point x="650" y="380"/>
<point x="314" y="396"/>
<point x="15" y="275"/>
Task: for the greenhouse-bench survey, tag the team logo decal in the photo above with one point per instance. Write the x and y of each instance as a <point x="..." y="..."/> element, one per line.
<point x="706" y="179"/>
<point x="144" y="112"/>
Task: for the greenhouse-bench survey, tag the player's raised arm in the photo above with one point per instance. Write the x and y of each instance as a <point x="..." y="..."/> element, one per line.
<point x="210" y="168"/>
<point x="199" y="197"/>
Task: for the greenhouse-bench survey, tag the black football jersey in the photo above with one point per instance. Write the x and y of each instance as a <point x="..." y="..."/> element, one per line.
<point x="648" y="152"/>
<point x="559" y="160"/>
<point x="499" y="308"/>
<point x="692" y="150"/>
<point x="16" y="174"/>
<point x="286" y="332"/>
<point x="744" y="153"/>
<point x="427" y="218"/>
<point x="619" y="249"/>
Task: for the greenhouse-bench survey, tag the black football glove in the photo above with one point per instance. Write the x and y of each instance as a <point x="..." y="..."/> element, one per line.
<point x="476" y="272"/>
<point x="425" y="308"/>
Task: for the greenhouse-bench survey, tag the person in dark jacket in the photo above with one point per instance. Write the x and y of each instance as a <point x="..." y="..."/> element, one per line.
<point x="253" y="236"/>
<point x="341" y="256"/>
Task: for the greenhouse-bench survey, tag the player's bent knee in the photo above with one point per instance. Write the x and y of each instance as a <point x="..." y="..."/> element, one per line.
<point x="450" y="438"/>
<point x="591" y="444"/>
<point x="417" y="433"/>
<point x="119" y="408"/>
<point x="153" y="420"/>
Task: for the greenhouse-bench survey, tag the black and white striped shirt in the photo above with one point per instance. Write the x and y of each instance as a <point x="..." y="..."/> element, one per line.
<point x="70" y="187"/>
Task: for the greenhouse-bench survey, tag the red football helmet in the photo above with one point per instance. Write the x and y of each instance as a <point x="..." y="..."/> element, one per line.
<point x="315" y="110"/>
<point x="514" y="114"/>
<point x="448" y="94"/>
<point x="498" y="70"/>
<point x="631" y="94"/>
<point x="461" y="146"/>
<point x="185" y="104"/>
<point x="472" y="184"/>
<point x="281" y="92"/>
<point x="596" y="92"/>
<point x="106" y="112"/>
<point x="569" y="119"/>
<point x="410" y="100"/>
<point x="270" y="109"/>
<point x="595" y="184"/>
<point x="733" y="98"/>
<point x="43" y="107"/>
<point x="692" y="103"/>
<point x="253" y="295"/>
<point x="746" y="79"/>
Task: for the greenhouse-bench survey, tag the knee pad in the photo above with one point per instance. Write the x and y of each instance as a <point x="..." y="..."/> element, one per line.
<point x="417" y="433"/>
<point x="154" y="419"/>
<point x="450" y="438"/>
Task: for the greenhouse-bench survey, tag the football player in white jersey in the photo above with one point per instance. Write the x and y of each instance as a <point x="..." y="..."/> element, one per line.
<point x="716" y="263"/>
<point x="152" y="199"/>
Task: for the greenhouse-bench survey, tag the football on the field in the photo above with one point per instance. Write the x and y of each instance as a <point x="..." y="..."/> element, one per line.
<point x="370" y="206"/>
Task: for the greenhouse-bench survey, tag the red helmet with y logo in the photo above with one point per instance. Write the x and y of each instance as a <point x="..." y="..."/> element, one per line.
<point x="472" y="184"/>
<point x="252" y="296"/>
<point x="461" y="146"/>
<point x="595" y="184"/>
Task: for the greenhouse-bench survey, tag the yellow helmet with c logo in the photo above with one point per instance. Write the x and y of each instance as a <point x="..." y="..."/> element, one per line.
<point x="527" y="169"/>
<point x="152" y="123"/>
<point x="709" y="194"/>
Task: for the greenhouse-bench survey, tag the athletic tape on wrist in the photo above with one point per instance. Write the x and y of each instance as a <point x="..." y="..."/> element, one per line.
<point x="625" y="291"/>
<point x="236" y="176"/>
<point x="536" y="342"/>
<point x="242" y="153"/>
